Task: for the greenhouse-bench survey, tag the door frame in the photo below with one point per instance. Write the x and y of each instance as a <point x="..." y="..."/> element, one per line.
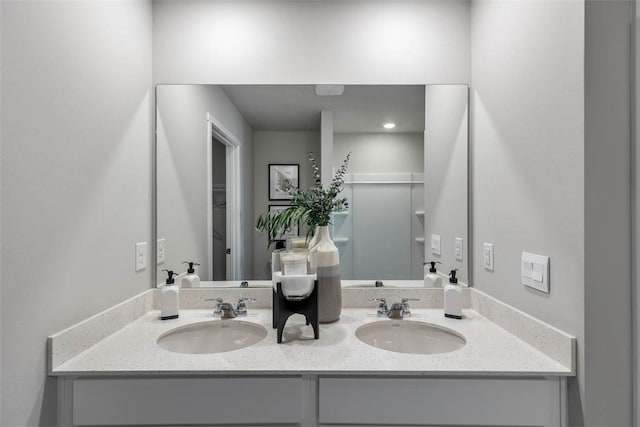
<point x="216" y="130"/>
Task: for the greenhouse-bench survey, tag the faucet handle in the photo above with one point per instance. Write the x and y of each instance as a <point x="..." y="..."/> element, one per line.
<point x="217" y="311"/>
<point x="405" y="306"/>
<point x="241" y="310"/>
<point x="383" y="310"/>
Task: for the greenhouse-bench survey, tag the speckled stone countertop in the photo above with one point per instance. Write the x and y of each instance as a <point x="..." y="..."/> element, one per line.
<point x="490" y="350"/>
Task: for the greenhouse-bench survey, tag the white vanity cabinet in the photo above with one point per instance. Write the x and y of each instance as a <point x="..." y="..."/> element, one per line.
<point x="312" y="401"/>
<point x="440" y="401"/>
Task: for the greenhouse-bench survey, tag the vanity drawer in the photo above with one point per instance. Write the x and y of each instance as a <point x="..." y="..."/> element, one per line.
<point x="439" y="401"/>
<point x="180" y="401"/>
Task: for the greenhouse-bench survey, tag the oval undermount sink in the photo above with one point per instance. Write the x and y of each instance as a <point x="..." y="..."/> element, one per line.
<point x="404" y="336"/>
<point x="215" y="336"/>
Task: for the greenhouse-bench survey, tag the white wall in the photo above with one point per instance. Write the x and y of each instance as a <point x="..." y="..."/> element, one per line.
<point x="182" y="173"/>
<point x="446" y="175"/>
<point x="284" y="147"/>
<point x="311" y="42"/>
<point x="75" y="173"/>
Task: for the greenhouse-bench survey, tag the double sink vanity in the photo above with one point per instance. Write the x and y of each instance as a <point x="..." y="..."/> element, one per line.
<point x="496" y="366"/>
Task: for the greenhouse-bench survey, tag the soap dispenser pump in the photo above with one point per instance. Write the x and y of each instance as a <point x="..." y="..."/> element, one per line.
<point x="170" y="298"/>
<point x="191" y="280"/>
<point x="432" y="279"/>
<point x="453" y="297"/>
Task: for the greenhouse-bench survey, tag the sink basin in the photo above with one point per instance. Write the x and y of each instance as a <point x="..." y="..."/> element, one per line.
<point x="406" y="336"/>
<point x="216" y="336"/>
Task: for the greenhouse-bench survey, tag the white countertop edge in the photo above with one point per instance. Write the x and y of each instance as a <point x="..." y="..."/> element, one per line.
<point x="328" y="373"/>
<point x="490" y="351"/>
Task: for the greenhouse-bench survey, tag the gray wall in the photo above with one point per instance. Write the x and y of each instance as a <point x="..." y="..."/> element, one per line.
<point x="278" y="147"/>
<point x="303" y="42"/>
<point x="0" y="213"/>
<point x="380" y="152"/>
<point x="527" y="139"/>
<point x="446" y="175"/>
<point x="550" y="138"/>
<point x="607" y="226"/>
<point x="182" y="172"/>
<point x="75" y="173"/>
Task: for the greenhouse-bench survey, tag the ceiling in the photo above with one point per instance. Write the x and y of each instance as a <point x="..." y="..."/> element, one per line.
<point x="361" y="108"/>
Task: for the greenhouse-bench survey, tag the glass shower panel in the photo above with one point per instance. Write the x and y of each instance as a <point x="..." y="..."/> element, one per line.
<point x="381" y="227"/>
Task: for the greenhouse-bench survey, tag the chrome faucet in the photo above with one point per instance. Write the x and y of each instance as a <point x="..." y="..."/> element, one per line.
<point x="228" y="312"/>
<point x="225" y="310"/>
<point x="398" y="310"/>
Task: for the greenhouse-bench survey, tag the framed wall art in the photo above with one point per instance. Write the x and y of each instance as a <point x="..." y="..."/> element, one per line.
<point x="279" y="175"/>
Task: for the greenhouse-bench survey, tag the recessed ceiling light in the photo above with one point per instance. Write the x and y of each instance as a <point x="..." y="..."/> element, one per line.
<point x="389" y="125"/>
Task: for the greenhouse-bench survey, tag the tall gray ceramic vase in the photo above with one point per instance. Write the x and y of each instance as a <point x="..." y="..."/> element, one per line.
<point x="326" y="258"/>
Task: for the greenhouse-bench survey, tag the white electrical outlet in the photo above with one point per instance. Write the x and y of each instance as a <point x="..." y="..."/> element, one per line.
<point x="141" y="256"/>
<point x="435" y="244"/>
<point x="488" y="256"/>
<point x="459" y="251"/>
<point x="160" y="249"/>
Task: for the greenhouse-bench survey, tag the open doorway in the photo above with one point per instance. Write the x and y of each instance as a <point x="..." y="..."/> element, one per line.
<point x="219" y="210"/>
<point x="223" y="232"/>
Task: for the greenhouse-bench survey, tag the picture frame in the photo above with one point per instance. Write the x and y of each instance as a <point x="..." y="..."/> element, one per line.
<point x="293" y="231"/>
<point x="277" y="174"/>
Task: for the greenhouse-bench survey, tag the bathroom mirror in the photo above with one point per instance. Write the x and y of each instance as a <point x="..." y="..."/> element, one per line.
<point x="217" y="147"/>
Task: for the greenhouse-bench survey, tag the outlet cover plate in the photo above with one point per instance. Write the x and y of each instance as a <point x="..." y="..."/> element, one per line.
<point x="535" y="271"/>
<point x="488" y="256"/>
<point x="435" y="244"/>
<point x="160" y="256"/>
<point x="141" y="256"/>
<point x="459" y="248"/>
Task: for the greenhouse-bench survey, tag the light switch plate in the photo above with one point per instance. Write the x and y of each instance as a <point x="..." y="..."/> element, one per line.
<point x="488" y="256"/>
<point x="160" y="257"/>
<point x="459" y="248"/>
<point x="141" y="256"/>
<point x="435" y="244"/>
<point x="535" y="271"/>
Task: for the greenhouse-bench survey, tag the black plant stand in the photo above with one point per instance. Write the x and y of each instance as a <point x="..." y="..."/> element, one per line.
<point x="284" y="308"/>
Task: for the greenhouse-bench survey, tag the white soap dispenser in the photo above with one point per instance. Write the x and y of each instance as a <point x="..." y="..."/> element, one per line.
<point x="191" y="279"/>
<point x="453" y="297"/>
<point x="170" y="298"/>
<point x="432" y="279"/>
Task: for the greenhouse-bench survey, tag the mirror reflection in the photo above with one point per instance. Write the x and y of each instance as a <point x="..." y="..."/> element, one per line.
<point x="218" y="145"/>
